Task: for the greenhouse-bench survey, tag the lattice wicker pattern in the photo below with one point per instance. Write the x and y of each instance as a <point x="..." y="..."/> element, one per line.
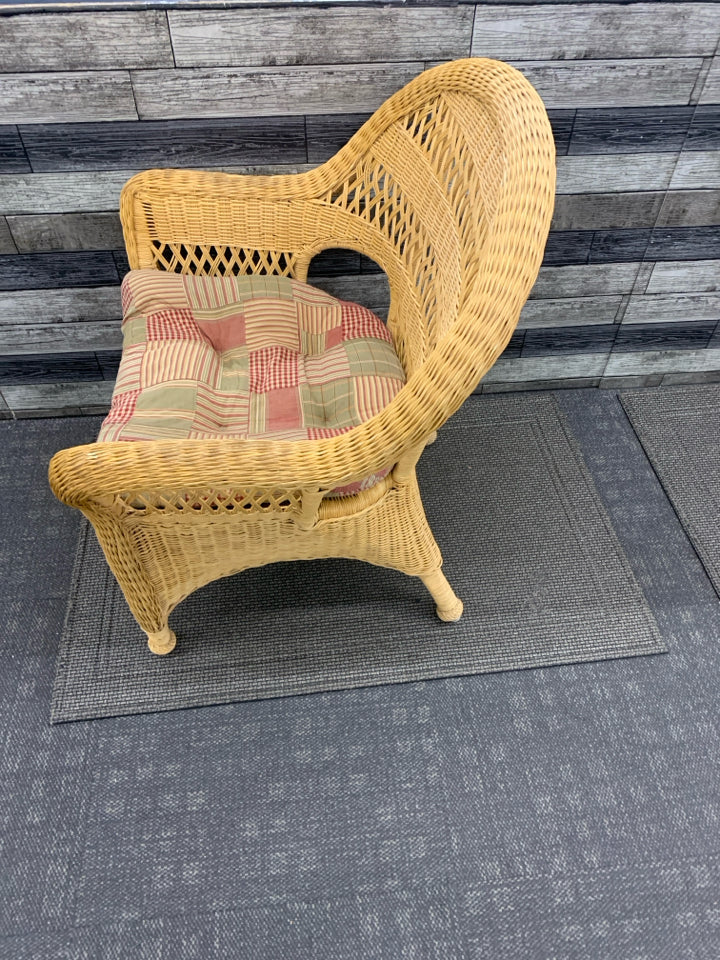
<point x="220" y="261"/>
<point x="449" y="187"/>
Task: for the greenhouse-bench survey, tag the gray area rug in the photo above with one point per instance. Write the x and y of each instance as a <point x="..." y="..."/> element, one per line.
<point x="679" y="428"/>
<point x="527" y="543"/>
<point x="567" y="813"/>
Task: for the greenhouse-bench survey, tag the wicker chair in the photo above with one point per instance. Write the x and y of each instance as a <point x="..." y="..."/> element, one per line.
<point x="449" y="187"/>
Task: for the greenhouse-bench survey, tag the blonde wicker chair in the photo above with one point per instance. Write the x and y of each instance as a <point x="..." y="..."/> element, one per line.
<point x="449" y="187"/>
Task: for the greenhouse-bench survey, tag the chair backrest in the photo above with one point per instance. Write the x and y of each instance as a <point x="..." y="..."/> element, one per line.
<point x="457" y="177"/>
<point x="449" y="186"/>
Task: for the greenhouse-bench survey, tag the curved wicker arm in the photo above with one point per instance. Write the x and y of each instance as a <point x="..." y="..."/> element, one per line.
<point x="90" y="473"/>
<point x="461" y="264"/>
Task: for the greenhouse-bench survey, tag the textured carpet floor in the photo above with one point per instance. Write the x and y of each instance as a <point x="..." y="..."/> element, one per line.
<point x="527" y="544"/>
<point x="568" y="812"/>
<point x="680" y="431"/>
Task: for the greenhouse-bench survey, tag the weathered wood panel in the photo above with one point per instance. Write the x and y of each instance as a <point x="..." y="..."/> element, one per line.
<point x="618" y="83"/>
<point x="597" y="211"/>
<point x="590" y="280"/>
<point x="684" y="243"/>
<point x="546" y="368"/>
<point x="700" y="82"/>
<point x="326" y="134"/>
<point x="12" y="153"/>
<point x="674" y="307"/>
<point x="565" y="247"/>
<point x="43" y="193"/>
<point x="513" y="348"/>
<point x="697" y="170"/>
<point x="704" y="132"/>
<point x="181" y="143"/>
<point x="668" y="335"/>
<point x="61" y="305"/>
<point x="42" y="233"/>
<point x="569" y="312"/>
<point x="109" y="361"/>
<point x="662" y="361"/>
<point x="615" y="172"/>
<point x="48" y="368"/>
<point x="64" y="97"/>
<point x="372" y="291"/>
<point x="335" y="262"/>
<point x="690" y="208"/>
<point x="615" y="246"/>
<point x="630" y="130"/>
<point x="58" y="399"/>
<point x="675" y="379"/>
<point x="631" y="383"/>
<point x="552" y="383"/>
<point x="642" y="278"/>
<point x="580" y="31"/>
<point x="711" y="90"/>
<point x="34" y="271"/>
<point x="7" y="244"/>
<point x="562" y="122"/>
<point x="85" y="41"/>
<point x="302" y="35"/>
<point x="121" y="262"/>
<point x="700" y="276"/>
<point x="551" y="341"/>
<point x="259" y="91"/>
<point x="33" y="338"/>
<point x="88" y="191"/>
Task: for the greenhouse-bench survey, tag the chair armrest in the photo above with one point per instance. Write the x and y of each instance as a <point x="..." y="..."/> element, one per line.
<point x="201" y="211"/>
<point x="85" y="475"/>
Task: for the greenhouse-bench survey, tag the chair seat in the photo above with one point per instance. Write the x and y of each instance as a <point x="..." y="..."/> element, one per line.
<point x="259" y="357"/>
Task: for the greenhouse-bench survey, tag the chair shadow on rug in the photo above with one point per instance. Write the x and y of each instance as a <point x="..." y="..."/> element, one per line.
<point x="449" y="187"/>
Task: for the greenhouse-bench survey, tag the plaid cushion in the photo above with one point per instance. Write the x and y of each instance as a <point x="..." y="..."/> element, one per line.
<point x="247" y="357"/>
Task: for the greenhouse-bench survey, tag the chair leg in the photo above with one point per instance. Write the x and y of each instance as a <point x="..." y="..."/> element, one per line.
<point x="162" y="642"/>
<point x="449" y="606"/>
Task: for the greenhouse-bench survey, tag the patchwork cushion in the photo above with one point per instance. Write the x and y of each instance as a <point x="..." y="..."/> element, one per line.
<point x="247" y="357"/>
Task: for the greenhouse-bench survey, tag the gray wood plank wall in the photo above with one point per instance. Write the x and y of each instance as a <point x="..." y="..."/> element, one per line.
<point x="628" y="293"/>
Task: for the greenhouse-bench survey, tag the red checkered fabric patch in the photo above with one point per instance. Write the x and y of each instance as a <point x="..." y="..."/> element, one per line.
<point x="358" y="323"/>
<point x="123" y="407"/>
<point x="273" y="368"/>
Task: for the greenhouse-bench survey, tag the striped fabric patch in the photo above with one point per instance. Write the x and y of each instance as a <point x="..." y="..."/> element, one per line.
<point x="247" y="357"/>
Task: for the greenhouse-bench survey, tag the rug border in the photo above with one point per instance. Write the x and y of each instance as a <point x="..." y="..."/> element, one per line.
<point x="548" y="407"/>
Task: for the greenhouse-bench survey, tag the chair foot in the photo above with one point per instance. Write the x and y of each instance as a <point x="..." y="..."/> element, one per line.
<point x="162" y="642"/>
<point x="449" y="606"/>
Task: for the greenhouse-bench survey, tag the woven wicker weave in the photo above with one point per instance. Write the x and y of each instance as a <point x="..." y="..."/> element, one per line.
<point x="449" y="187"/>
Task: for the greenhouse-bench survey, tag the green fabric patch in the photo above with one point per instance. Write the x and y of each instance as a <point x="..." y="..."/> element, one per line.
<point x="278" y="288"/>
<point x="134" y="331"/>
<point x="171" y="427"/>
<point x="168" y="396"/>
<point x="235" y="371"/>
<point x="373" y="358"/>
<point x="329" y="404"/>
